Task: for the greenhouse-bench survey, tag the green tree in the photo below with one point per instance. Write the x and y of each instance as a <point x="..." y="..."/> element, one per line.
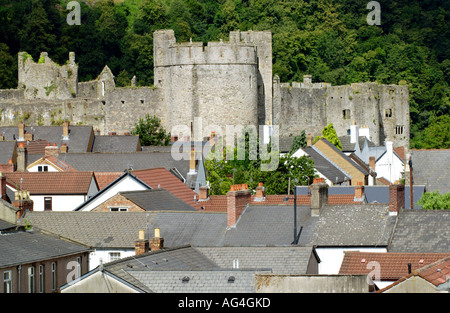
<point x="436" y="135"/>
<point x="299" y="142"/>
<point x="7" y="68"/>
<point x="435" y="201"/>
<point x="329" y="133"/>
<point x="151" y="132"/>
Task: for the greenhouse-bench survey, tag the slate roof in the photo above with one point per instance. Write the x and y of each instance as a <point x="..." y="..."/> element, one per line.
<point x="53" y="160"/>
<point x="116" y="143"/>
<point x="432" y="169"/>
<point x="354" y="225"/>
<point x="120" y="161"/>
<point x="46" y="183"/>
<point x="6" y="151"/>
<point x="5" y="226"/>
<point x="120" y="229"/>
<point x="26" y="247"/>
<point x="285" y="144"/>
<point x="157" y="199"/>
<point x="424" y="231"/>
<point x="79" y="136"/>
<point x="347" y="146"/>
<point x="208" y="269"/>
<point x="393" y="265"/>
<point x="323" y="165"/>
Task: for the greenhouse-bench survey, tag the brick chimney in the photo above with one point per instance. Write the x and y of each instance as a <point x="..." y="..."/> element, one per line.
<point x="64" y="148"/>
<point x="141" y="245"/>
<point x="65" y="130"/>
<point x="372" y="162"/>
<point x="21" y="157"/>
<point x="157" y="242"/>
<point x="319" y="195"/>
<point x="192" y="162"/>
<point x="203" y="193"/>
<point x="23" y="202"/>
<point x="260" y="192"/>
<point x="396" y="198"/>
<point x="4" y="196"/>
<point x="238" y="198"/>
<point x="28" y="136"/>
<point x="52" y="150"/>
<point x="359" y="192"/>
<point x="309" y="140"/>
<point x="21" y="127"/>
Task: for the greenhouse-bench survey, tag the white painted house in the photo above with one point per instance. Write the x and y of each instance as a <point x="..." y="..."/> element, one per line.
<point x="54" y="191"/>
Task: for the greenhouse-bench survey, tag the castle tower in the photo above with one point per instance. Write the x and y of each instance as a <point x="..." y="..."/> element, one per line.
<point x="217" y="82"/>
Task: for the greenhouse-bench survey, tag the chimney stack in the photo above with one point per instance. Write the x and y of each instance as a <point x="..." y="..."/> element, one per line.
<point x="66" y="130"/>
<point x="156" y="243"/>
<point x="141" y="245"/>
<point x="359" y="192"/>
<point x="64" y="148"/>
<point x="203" y="193"/>
<point x="319" y="195"/>
<point x="309" y="140"/>
<point x="3" y="186"/>
<point x="238" y="198"/>
<point x="52" y="150"/>
<point x="372" y="162"/>
<point x="260" y="192"/>
<point x="396" y="198"/>
<point x="23" y="202"/>
<point x="354" y="132"/>
<point x="21" y="132"/>
<point x="192" y="162"/>
<point x="21" y="157"/>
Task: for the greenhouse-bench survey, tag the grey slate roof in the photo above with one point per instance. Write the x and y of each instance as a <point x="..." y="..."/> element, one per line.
<point x="116" y="144"/>
<point x="5" y="226"/>
<point x="432" y="169"/>
<point x="326" y="167"/>
<point x="6" y="151"/>
<point x="120" y="229"/>
<point x="208" y="269"/>
<point x="422" y="231"/>
<point x="285" y="144"/>
<point x="261" y="225"/>
<point x="347" y="146"/>
<point x="218" y="281"/>
<point x="120" y="161"/>
<point x="79" y="136"/>
<point x="354" y="225"/>
<point x="26" y="247"/>
<point x="157" y="199"/>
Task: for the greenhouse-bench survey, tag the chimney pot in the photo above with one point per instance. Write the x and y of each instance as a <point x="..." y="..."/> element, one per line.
<point x="309" y="140"/>
<point x="260" y="192"/>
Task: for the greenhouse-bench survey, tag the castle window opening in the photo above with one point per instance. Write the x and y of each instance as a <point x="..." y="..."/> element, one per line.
<point x="388" y="113"/>
<point x="346" y="114"/>
<point x="103" y="88"/>
<point x="399" y="129"/>
<point x="142" y="101"/>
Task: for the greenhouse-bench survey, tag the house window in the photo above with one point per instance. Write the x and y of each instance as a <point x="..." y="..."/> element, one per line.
<point x="398" y="129"/>
<point x="346" y="114"/>
<point x="47" y="203"/>
<point x="116" y="209"/>
<point x="41" y="279"/>
<point x="7" y="282"/>
<point x="388" y="113"/>
<point x="53" y="275"/>
<point x="31" y="280"/>
<point x="114" y="256"/>
<point x="79" y="267"/>
<point x="43" y="168"/>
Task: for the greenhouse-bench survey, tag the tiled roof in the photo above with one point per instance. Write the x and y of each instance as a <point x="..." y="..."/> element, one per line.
<point x="425" y="231"/>
<point x="51" y="182"/>
<point x="218" y="203"/>
<point x="436" y="273"/>
<point x="393" y="265"/>
<point x="157" y="199"/>
<point x="36" y="146"/>
<point x="103" y="179"/>
<point x="162" y="178"/>
<point x="6" y="151"/>
<point x="432" y="169"/>
<point x="57" y="162"/>
<point x="26" y="247"/>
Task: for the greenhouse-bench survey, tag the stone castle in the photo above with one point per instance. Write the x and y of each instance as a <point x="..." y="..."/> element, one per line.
<point x="224" y="83"/>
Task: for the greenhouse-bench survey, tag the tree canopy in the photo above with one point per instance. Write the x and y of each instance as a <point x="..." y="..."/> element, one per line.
<point x="328" y="39"/>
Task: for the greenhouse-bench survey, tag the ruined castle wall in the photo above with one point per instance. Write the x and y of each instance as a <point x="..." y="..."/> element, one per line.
<point x="87" y="89"/>
<point x="297" y="108"/>
<point x="11" y="94"/>
<point x="45" y="79"/>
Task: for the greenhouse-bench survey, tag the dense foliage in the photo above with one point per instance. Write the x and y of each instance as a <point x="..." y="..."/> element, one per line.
<point x="244" y="164"/>
<point x="435" y="201"/>
<point x="151" y="132"/>
<point x="329" y="39"/>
